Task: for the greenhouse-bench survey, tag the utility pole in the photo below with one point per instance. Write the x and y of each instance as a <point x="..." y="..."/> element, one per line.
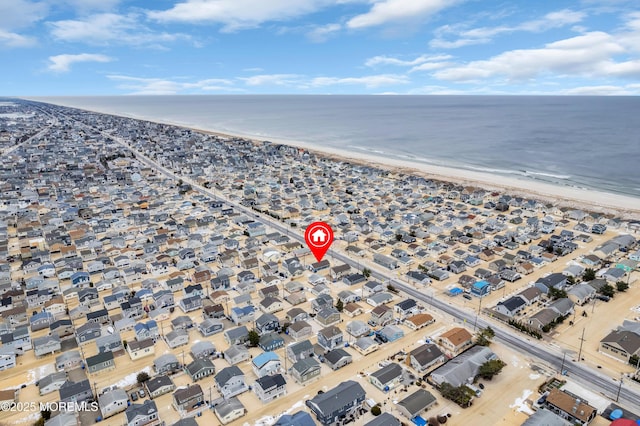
<point x="619" y="387"/>
<point x="581" y="342"/>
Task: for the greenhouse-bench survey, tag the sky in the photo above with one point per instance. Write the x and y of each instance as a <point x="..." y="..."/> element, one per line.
<point x="123" y="47"/>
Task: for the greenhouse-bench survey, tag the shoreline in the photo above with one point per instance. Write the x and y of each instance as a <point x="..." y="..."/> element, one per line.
<point x="605" y="202"/>
<point x="623" y="206"/>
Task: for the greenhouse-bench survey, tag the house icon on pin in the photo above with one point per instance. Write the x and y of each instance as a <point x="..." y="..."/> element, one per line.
<point x="319" y="236"/>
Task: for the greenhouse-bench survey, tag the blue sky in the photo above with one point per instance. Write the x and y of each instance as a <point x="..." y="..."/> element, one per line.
<point x="114" y="47"/>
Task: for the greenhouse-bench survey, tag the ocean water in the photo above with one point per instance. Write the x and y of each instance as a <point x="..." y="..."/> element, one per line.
<point x="589" y="142"/>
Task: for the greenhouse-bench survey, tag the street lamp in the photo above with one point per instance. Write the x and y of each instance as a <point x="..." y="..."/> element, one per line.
<point x="619" y="387"/>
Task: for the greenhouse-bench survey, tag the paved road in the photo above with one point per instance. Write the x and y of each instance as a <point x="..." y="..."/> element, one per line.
<point x="591" y="379"/>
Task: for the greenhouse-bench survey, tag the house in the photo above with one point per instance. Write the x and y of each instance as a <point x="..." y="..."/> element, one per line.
<point x="75" y="391"/>
<point x="414" y="404"/>
<point x="406" y="308"/>
<point x="330" y="337"/>
<point x="271" y="342"/>
<point x="166" y="364"/>
<point x="299" y="418"/>
<point x="563" y="306"/>
<point x="546" y="418"/>
<point x="270" y="387"/>
<point x="321" y="302"/>
<point x="296" y="314"/>
<point x="68" y="360"/>
<point x="424" y="357"/>
<point x="140" y="348"/>
<point x="142" y="414"/>
<point x="384" y="419"/>
<point x="236" y="336"/>
<point x="300" y="330"/>
<point x="372" y="287"/>
<point x="40" y="321"/>
<point x="229" y="410"/>
<point x="202" y="349"/>
<point x="63" y="419"/>
<point x="366" y="345"/>
<point x="305" y="370"/>
<point x="186" y="399"/>
<point x="100" y="316"/>
<point x="189" y="304"/>
<point x="480" y="288"/>
<point x="46" y="345"/>
<point x="265" y="364"/>
<point x="418" y="321"/>
<point x="200" y="368"/>
<point x="176" y="338"/>
<point x="182" y="322"/>
<point x="230" y="382"/>
<point x="52" y="382"/>
<point x="87" y="332"/>
<point x="512" y="306"/>
<point x="241" y="315"/>
<point x="328" y="316"/>
<point x="113" y="402"/>
<point x="381" y="315"/>
<point x="337" y="358"/>
<point x="581" y="294"/>
<point x="340" y="402"/>
<point x="352" y="309"/>
<point x="109" y="343"/>
<point x="379" y="299"/>
<point x="543" y="318"/>
<point x="103" y="361"/>
<point x="463" y="368"/>
<point x="621" y="344"/>
<point x="210" y="326"/>
<point x="569" y="407"/>
<point x="387" y="377"/>
<point x="531" y="295"/>
<point x="159" y="385"/>
<point x="236" y="354"/>
<point x="555" y="280"/>
<point x="358" y="328"/>
<point x="455" y="340"/>
<point x="148" y="330"/>
<point x="299" y="350"/>
<point x="267" y="323"/>
<point x="390" y="333"/>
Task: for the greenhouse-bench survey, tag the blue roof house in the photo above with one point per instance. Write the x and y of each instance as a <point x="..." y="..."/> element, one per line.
<point x="480" y="288"/>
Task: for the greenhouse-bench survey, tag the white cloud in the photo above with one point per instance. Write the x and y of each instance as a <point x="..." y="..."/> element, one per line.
<point x="162" y="86"/>
<point x="589" y="54"/>
<point x="602" y="91"/>
<point x="367" y="81"/>
<point x="238" y="14"/>
<point x="9" y="39"/>
<point x="393" y="11"/>
<point x="85" y="6"/>
<point x="272" y="79"/>
<point x="111" y="28"/>
<point x="322" y="33"/>
<point x="21" y="13"/>
<point x="467" y="37"/>
<point x="388" y="60"/>
<point x="62" y="63"/>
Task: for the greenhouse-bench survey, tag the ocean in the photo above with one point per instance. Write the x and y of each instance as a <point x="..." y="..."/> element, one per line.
<point x="586" y="142"/>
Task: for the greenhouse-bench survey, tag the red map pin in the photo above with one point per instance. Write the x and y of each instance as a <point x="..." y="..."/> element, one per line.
<point x="318" y="237"/>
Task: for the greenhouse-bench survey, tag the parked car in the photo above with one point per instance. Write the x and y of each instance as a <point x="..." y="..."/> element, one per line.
<point x="141" y="393"/>
<point x="134" y="396"/>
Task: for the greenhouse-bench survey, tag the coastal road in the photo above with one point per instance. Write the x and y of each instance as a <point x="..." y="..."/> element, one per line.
<point x="552" y="356"/>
